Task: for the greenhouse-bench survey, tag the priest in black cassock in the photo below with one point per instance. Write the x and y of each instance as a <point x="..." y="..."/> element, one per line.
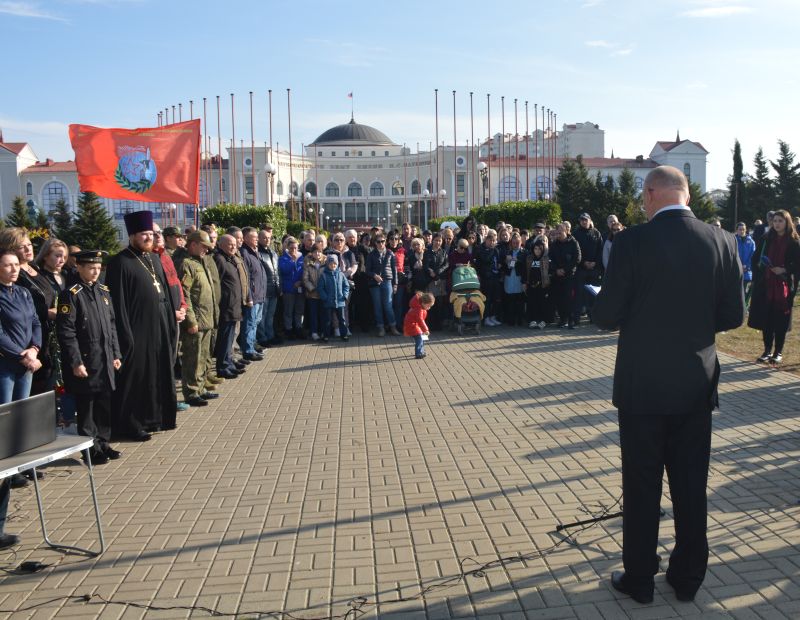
<point x="145" y="399"/>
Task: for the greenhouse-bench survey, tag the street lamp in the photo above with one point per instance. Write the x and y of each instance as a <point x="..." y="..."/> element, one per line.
<point x="483" y="170"/>
<point x="306" y="198"/>
<point x="426" y="194"/>
<point x="442" y="195"/>
<point x="270" y="170"/>
<point x="321" y="211"/>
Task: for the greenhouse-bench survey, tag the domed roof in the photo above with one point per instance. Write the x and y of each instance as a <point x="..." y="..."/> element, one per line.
<point x="353" y="133"/>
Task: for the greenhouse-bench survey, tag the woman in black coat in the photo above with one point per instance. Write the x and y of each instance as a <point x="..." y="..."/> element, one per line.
<point x="776" y="270"/>
<point x="437" y="267"/>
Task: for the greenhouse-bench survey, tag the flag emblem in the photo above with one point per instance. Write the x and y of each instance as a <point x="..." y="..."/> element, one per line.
<point x="136" y="171"/>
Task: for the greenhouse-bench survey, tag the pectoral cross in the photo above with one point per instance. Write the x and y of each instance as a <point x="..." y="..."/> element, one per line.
<point x="157" y="285"/>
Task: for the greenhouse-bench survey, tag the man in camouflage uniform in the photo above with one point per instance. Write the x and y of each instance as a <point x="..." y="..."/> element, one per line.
<point x="202" y="315"/>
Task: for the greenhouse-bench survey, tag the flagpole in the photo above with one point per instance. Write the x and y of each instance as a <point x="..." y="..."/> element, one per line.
<point x="291" y="172"/>
<point x="234" y="177"/>
<point x="405" y="181"/>
<point x="219" y="153"/>
<point x="516" y="152"/>
<point x="455" y="156"/>
<point x="536" y="148"/>
<point x="252" y="150"/>
<point x="419" y="191"/>
<point x="191" y="110"/>
<point x="555" y="144"/>
<point x="527" y="157"/>
<point x="205" y="142"/>
<point x="430" y="175"/>
<point x="436" y="182"/>
<point x="272" y="176"/>
<point x="180" y="112"/>
<point x="471" y="199"/>
<point x="491" y="143"/>
<point x="503" y="149"/>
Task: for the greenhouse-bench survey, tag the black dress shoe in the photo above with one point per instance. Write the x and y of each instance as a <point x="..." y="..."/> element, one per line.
<point x="111" y="453"/>
<point x="682" y="594"/>
<point x="8" y="540"/>
<point x="227" y="375"/>
<point x="209" y="395"/>
<point x="259" y="348"/>
<point x="142" y="436"/>
<point x="29" y="474"/>
<point x="238" y="371"/>
<point x="196" y="401"/>
<point x="17" y="481"/>
<point x="253" y="357"/>
<point x="619" y="584"/>
<point x="243" y="361"/>
<point x="98" y="458"/>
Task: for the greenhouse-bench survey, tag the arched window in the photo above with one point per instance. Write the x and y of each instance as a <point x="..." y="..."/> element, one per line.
<point x="376" y="189"/>
<point x="687" y="170"/>
<point x="279" y="188"/>
<point x="397" y="189"/>
<point x="354" y="189"/>
<point x="508" y="189"/>
<point x="429" y="186"/>
<point x="331" y="189"/>
<point x="311" y="188"/>
<point x="293" y="188"/>
<point x="544" y="186"/>
<point x="52" y="193"/>
<point x="29" y="188"/>
<point x="415" y="187"/>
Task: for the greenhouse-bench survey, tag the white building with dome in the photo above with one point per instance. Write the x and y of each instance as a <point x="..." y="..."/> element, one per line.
<point x="355" y="175"/>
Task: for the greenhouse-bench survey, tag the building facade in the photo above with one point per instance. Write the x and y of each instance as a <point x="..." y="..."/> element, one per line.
<point x="353" y="174"/>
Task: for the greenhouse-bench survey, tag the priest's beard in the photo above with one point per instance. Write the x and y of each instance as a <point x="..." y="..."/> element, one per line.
<point x="142" y="245"/>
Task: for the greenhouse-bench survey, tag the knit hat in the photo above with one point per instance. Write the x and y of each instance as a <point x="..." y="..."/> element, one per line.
<point x="332" y="258"/>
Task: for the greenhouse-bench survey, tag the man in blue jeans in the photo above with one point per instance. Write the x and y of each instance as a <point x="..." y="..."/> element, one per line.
<point x="257" y="281"/>
<point x="265" y="335"/>
<point x="381" y="270"/>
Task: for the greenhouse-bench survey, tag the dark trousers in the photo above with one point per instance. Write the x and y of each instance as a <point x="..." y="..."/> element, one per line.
<point x="581" y="298"/>
<point x="561" y="291"/>
<point x="5" y="492"/>
<point x="538" y="301"/>
<point x="681" y="444"/>
<point x="226" y="332"/>
<point x="94" y="417"/>
<point x="513" y="308"/>
<point x="491" y="288"/>
<point x="775" y="328"/>
<point x="327" y="323"/>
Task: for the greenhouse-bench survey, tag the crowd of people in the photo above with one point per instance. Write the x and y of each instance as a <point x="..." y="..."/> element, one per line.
<point x="179" y="304"/>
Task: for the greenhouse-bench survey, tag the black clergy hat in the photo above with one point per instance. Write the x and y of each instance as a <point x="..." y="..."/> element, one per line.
<point x="89" y="256"/>
<point x="138" y="221"/>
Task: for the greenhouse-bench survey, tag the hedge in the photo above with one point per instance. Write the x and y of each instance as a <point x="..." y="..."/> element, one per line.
<point x="226" y="215"/>
<point x="294" y="228"/>
<point x="523" y="214"/>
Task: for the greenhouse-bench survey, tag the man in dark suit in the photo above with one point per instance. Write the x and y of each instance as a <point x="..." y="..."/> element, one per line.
<point x="671" y="284"/>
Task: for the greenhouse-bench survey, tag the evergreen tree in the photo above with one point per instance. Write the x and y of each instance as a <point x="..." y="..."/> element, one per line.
<point x="627" y="184"/>
<point x="93" y="228"/>
<point x="734" y="208"/>
<point x="19" y="214"/>
<point x="605" y="199"/>
<point x="62" y="222"/>
<point x="787" y="181"/>
<point x="701" y="204"/>
<point x="573" y="189"/>
<point x="42" y="221"/>
<point x="634" y="213"/>
<point x="760" y="191"/>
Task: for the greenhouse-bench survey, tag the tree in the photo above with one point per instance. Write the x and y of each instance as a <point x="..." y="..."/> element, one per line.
<point x="760" y="191"/>
<point x="701" y="204"/>
<point x="19" y="214"/>
<point x="42" y="221"/>
<point x="93" y="229"/>
<point x="605" y="198"/>
<point x="573" y="188"/>
<point x="62" y="222"/>
<point x="787" y="182"/>
<point x="627" y="184"/>
<point x="734" y="207"/>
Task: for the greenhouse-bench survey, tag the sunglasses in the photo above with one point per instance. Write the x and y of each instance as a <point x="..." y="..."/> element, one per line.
<point x="380" y="240"/>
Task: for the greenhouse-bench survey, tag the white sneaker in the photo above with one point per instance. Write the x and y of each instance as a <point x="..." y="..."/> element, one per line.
<point x="533" y="325"/>
<point x="314" y="336"/>
<point x="490" y="321"/>
<point x="542" y="325"/>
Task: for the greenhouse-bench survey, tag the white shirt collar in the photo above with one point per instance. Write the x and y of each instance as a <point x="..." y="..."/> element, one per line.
<point x="672" y="208"/>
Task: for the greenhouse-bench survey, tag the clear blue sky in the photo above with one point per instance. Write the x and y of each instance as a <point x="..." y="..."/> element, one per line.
<point x="715" y="69"/>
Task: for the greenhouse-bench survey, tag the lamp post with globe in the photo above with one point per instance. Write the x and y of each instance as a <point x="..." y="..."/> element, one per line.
<point x="483" y="170"/>
<point x="270" y="170"/>
<point x="426" y="194"/>
<point x="442" y="195"/>
<point x="307" y="209"/>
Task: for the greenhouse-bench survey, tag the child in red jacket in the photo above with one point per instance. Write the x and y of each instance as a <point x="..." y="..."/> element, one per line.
<point x="414" y="324"/>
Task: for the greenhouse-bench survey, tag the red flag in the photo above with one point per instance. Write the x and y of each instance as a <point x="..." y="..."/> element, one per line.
<point x="158" y="164"/>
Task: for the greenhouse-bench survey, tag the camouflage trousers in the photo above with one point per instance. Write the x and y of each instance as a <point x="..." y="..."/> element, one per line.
<point x="195" y="362"/>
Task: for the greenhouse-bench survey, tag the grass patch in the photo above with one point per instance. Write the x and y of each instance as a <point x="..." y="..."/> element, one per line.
<point x="746" y="344"/>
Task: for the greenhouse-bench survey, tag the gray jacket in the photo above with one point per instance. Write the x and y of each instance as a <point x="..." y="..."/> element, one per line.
<point x="269" y="260"/>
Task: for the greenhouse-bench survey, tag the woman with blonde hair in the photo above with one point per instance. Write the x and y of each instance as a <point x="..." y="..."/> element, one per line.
<point x="51" y="260"/>
<point x="44" y="299"/>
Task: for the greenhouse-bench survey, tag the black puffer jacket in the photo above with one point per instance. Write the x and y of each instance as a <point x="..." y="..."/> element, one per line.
<point x="565" y="255"/>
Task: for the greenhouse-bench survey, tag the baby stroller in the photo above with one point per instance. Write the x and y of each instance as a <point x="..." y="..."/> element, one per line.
<point x="467" y="299"/>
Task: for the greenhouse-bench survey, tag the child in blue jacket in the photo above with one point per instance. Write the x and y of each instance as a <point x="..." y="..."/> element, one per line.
<point x="333" y="289"/>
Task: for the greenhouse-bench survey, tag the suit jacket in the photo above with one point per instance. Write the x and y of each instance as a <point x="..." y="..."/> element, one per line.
<point x="670" y="286"/>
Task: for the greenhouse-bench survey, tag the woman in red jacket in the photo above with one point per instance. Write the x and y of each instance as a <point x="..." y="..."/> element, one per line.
<point x="414" y="324"/>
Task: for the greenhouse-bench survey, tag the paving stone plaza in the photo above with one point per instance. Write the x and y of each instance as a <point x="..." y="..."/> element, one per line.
<point x="323" y="475"/>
